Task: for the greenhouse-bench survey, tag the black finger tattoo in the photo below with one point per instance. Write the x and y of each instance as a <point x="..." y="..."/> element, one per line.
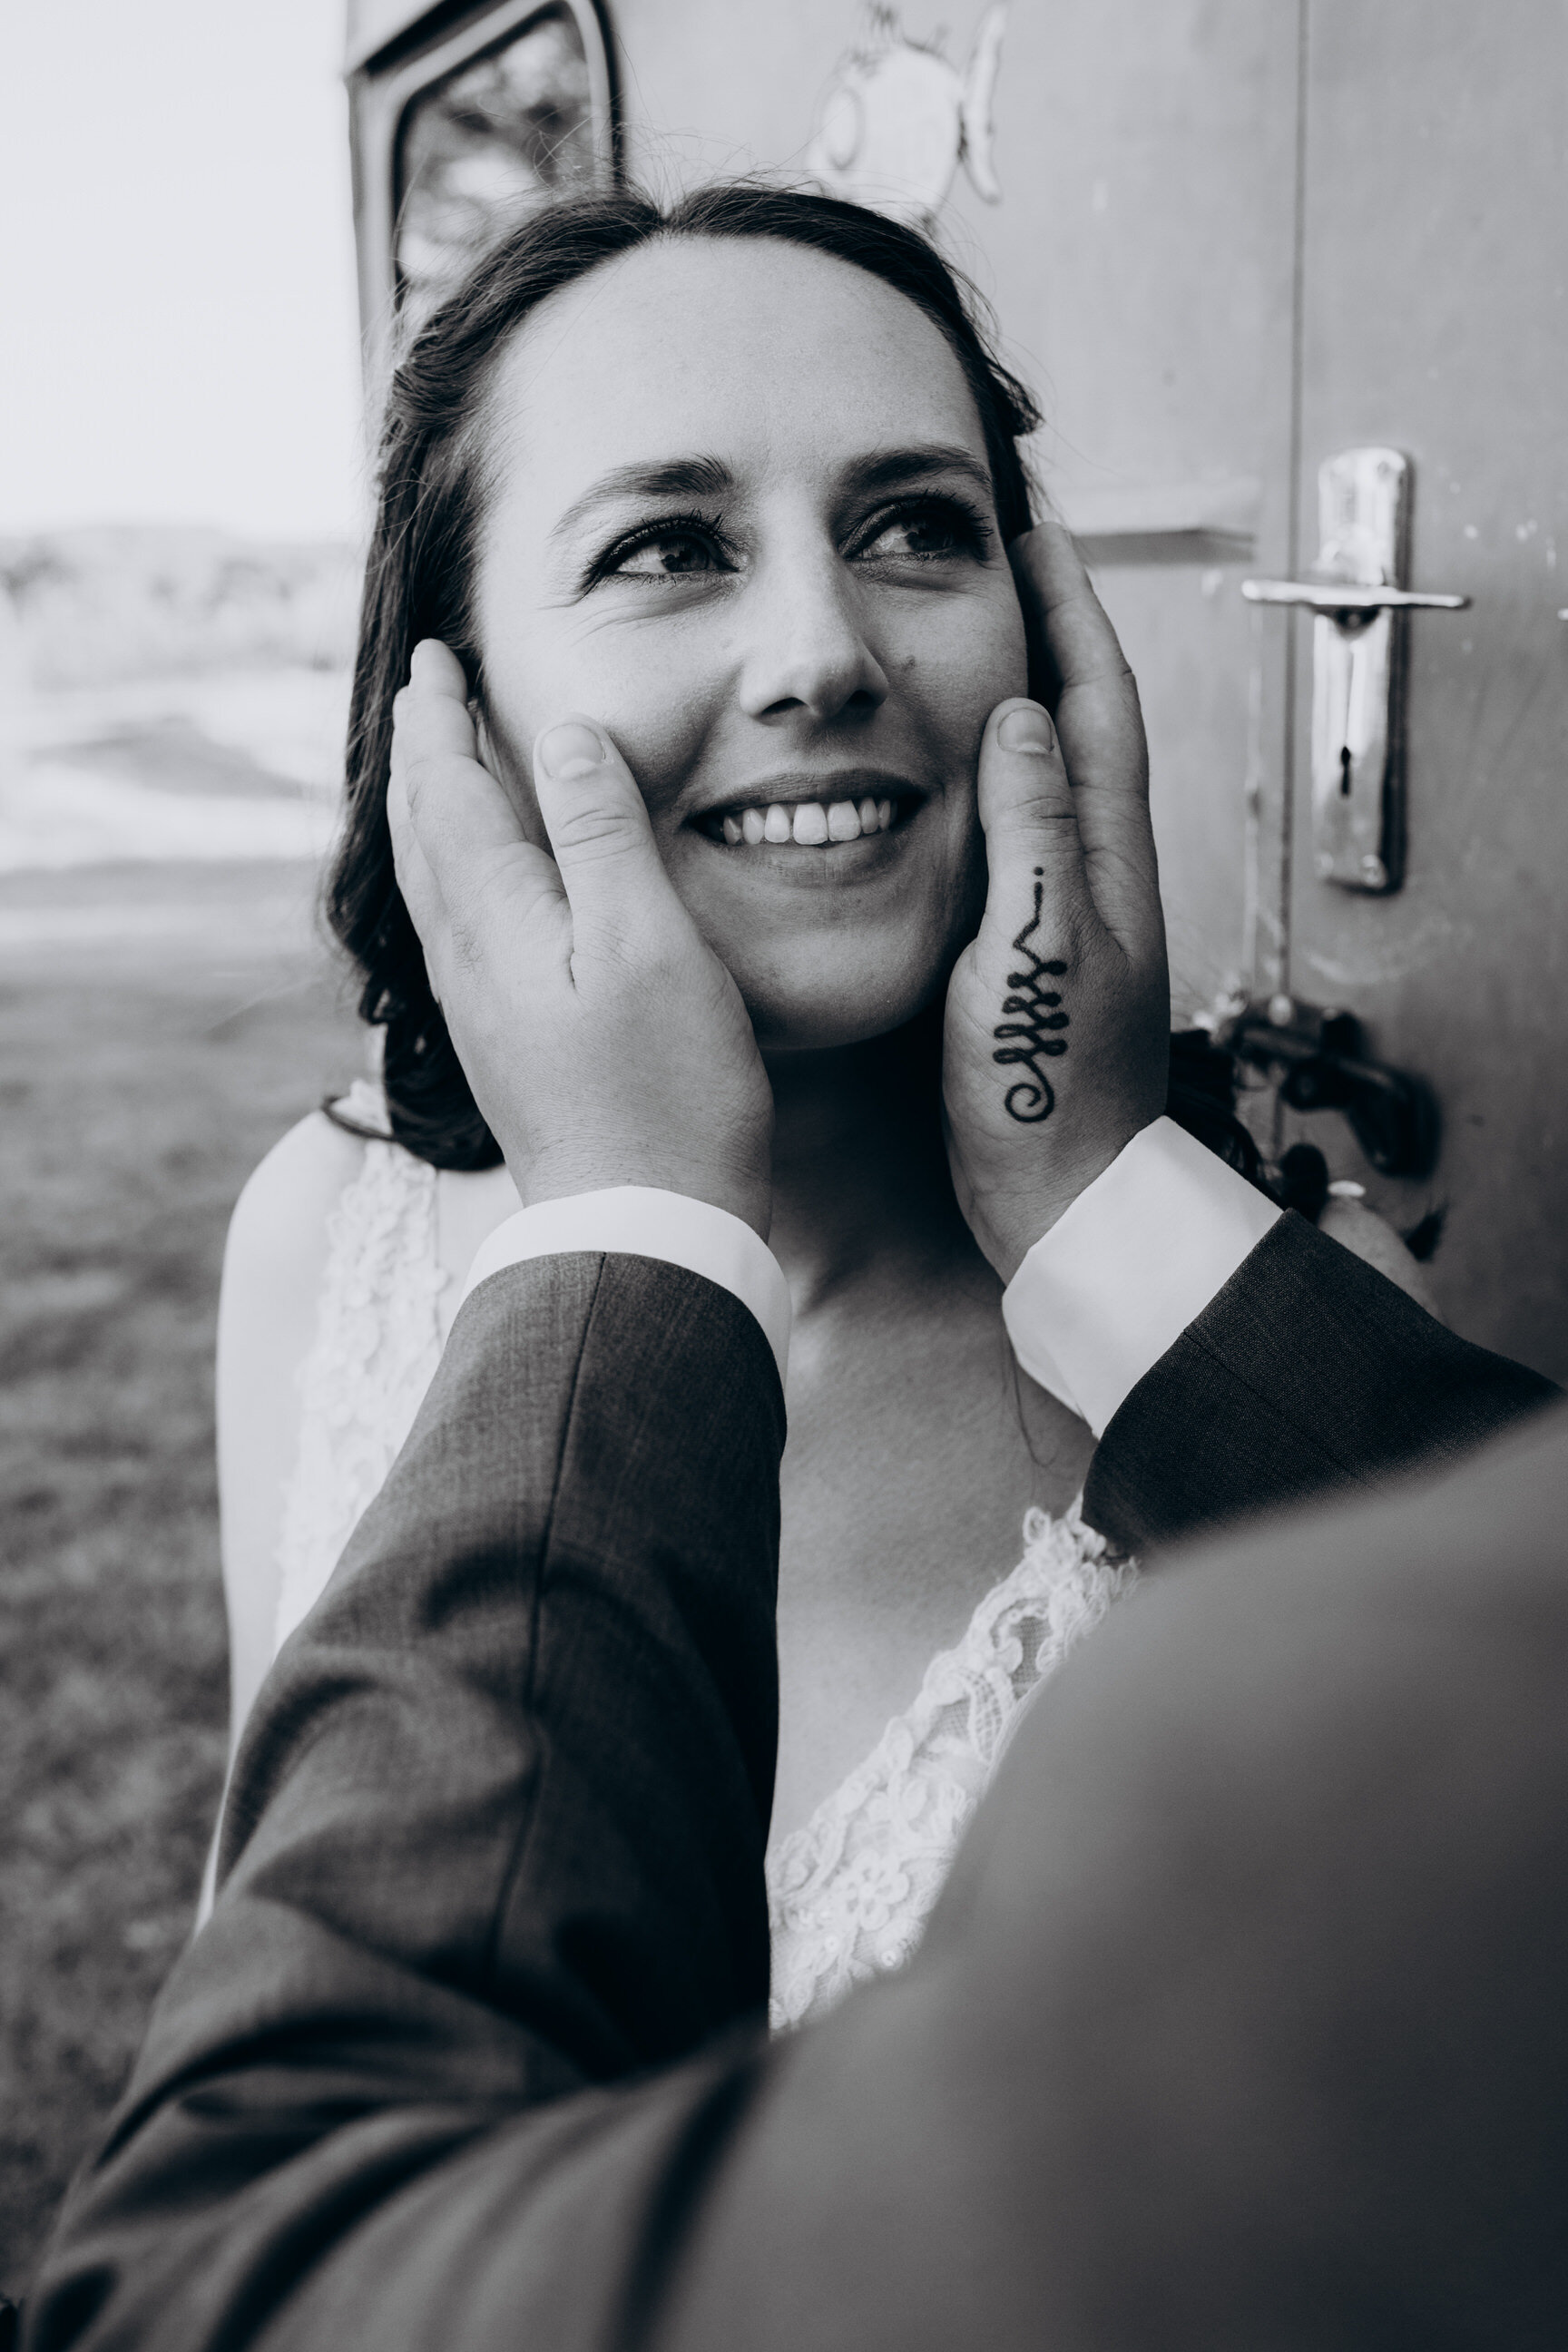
<point x="1032" y="1098"/>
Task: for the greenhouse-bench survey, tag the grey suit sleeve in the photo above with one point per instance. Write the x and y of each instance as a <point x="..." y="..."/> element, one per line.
<point x="1307" y="1374"/>
<point x="495" y="1837"/>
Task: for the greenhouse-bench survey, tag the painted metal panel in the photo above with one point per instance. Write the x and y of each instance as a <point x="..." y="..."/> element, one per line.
<point x="1435" y="262"/>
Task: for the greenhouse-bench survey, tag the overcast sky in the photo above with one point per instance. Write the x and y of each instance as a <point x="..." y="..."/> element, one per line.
<point x="178" y="340"/>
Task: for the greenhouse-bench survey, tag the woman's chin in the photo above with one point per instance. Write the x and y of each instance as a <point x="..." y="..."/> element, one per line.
<point x="826" y="1015"/>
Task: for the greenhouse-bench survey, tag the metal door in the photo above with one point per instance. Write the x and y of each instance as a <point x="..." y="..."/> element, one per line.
<point x="1432" y="256"/>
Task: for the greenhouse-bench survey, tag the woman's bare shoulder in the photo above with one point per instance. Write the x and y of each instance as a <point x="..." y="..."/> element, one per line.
<point x="280" y="1217"/>
<point x="274" y="1267"/>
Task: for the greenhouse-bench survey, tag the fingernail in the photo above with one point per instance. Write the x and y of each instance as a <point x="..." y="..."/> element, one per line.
<point x="571" y="750"/>
<point x="1026" y="730"/>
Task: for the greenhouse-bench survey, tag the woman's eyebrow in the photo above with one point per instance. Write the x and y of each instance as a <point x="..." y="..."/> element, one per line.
<point x="677" y="477"/>
<point x="892" y="468"/>
<point x="710" y="478"/>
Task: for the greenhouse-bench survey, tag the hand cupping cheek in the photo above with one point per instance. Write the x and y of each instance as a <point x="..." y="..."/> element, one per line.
<point x="1070" y="950"/>
<point x="589" y="1077"/>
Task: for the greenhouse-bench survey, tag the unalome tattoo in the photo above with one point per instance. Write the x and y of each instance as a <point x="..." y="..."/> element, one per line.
<point x="1032" y="1098"/>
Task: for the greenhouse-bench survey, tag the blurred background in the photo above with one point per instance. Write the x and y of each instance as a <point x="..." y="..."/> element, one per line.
<point x="181" y="487"/>
<point x="1288" y="278"/>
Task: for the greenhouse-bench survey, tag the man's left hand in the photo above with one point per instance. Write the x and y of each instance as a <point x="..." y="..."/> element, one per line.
<point x="1056" y="1043"/>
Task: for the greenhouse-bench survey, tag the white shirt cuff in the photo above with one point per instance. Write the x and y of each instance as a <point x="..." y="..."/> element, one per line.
<point x="638" y="1221"/>
<point x="1138" y="1256"/>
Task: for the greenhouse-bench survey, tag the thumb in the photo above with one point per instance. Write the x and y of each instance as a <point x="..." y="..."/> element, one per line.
<point x="440" y="798"/>
<point x="599" y="831"/>
<point x="454" y="830"/>
<point x="1025" y="802"/>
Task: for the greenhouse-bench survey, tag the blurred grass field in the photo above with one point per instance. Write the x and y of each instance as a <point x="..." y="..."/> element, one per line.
<point x="159" y="1027"/>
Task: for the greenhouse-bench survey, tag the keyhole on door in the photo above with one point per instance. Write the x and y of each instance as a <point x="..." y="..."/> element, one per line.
<point x="1345" y="769"/>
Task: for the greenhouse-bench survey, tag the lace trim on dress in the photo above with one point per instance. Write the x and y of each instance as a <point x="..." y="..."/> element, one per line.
<point x="377" y="1344"/>
<point x="849" y="1893"/>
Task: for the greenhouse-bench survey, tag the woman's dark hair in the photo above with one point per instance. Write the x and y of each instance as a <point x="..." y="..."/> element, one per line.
<point x="419" y="578"/>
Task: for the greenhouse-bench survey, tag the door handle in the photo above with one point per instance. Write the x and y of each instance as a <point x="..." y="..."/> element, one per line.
<point x="1358" y="663"/>
<point x="1342" y="597"/>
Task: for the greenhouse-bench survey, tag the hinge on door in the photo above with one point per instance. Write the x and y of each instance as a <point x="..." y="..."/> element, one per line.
<point x="1313" y="1055"/>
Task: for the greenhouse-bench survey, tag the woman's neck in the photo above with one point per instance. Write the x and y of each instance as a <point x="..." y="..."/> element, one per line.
<point x="860" y="1177"/>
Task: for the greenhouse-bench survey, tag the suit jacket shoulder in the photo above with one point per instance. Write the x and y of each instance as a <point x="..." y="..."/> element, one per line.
<point x="1308" y="1371"/>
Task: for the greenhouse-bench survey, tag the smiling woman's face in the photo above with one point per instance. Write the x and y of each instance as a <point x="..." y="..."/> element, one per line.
<point x="744" y="517"/>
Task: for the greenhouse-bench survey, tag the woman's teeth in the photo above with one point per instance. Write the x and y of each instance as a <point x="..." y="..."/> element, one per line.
<point x="810" y="823"/>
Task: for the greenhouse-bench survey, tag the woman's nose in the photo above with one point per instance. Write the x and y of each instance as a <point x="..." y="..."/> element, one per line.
<point x="807" y="649"/>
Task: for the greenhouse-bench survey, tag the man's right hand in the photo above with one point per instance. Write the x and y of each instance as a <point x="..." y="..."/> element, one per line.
<point x="605" y="1041"/>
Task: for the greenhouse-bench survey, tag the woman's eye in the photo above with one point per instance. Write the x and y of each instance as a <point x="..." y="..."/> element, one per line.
<point x="930" y="532"/>
<point x="669" y="556"/>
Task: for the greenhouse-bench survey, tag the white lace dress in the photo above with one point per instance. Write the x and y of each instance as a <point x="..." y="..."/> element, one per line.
<point x="850" y="1891"/>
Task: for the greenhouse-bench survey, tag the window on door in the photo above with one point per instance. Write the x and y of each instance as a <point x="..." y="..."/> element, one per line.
<point x="478" y="149"/>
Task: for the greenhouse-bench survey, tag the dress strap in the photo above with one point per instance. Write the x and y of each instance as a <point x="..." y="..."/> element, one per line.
<point x="377" y="1344"/>
<point x="363" y="1110"/>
